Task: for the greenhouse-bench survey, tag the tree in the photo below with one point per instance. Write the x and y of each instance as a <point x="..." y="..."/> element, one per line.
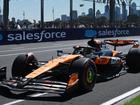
<point x="133" y="19"/>
<point x="85" y="19"/>
<point x="101" y="21"/>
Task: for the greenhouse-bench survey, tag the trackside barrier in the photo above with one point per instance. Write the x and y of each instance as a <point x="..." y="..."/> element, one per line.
<point x="46" y="35"/>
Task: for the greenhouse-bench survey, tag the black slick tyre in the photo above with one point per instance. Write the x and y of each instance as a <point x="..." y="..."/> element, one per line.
<point x="133" y="59"/>
<point x="23" y="65"/>
<point x="86" y="72"/>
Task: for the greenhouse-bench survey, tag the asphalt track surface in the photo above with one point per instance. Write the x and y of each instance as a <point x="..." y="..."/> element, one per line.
<point x="102" y="92"/>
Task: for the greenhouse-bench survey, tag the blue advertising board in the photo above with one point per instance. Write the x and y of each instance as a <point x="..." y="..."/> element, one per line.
<point x="46" y="35"/>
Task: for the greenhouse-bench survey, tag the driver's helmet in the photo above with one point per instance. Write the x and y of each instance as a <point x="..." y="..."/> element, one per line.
<point x="95" y="43"/>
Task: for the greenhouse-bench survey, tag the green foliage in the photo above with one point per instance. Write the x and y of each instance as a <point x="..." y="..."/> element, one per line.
<point x="135" y="101"/>
<point x="133" y="18"/>
<point x="85" y="19"/>
<point x="102" y="20"/>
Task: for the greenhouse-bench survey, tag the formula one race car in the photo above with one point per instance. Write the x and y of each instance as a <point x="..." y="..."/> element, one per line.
<point x="60" y="75"/>
<point x="78" y="69"/>
<point x="111" y="63"/>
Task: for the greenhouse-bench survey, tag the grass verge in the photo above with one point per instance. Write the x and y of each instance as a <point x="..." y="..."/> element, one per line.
<point x="135" y="101"/>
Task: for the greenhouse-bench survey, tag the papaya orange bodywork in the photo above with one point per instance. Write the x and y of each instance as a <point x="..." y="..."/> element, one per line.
<point x="73" y="80"/>
<point x="51" y="64"/>
<point x="102" y="60"/>
<point x="121" y="42"/>
<point x="115" y="53"/>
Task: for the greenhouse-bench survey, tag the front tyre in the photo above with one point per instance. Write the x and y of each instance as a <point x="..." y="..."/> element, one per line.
<point x="87" y="73"/>
<point x="23" y="65"/>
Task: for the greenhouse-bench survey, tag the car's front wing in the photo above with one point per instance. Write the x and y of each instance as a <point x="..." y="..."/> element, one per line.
<point x="45" y="86"/>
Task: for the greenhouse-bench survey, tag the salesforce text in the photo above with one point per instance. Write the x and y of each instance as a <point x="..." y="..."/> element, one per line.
<point x="39" y="36"/>
<point x="113" y="33"/>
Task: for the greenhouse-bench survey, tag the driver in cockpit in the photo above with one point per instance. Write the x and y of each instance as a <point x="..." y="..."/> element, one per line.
<point x="95" y="43"/>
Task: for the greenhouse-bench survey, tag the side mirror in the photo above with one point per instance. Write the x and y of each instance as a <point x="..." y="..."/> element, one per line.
<point x="60" y="52"/>
<point x="76" y="47"/>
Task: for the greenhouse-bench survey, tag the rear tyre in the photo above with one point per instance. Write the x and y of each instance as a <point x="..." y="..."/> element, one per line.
<point x="87" y="73"/>
<point x="23" y="65"/>
<point x="133" y="59"/>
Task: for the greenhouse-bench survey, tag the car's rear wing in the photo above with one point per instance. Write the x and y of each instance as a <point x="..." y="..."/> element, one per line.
<point x="117" y="42"/>
<point x="2" y="73"/>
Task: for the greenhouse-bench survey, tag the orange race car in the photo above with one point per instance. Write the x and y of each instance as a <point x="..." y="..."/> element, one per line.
<point x="110" y="62"/>
<point x="77" y="69"/>
<point x="60" y="75"/>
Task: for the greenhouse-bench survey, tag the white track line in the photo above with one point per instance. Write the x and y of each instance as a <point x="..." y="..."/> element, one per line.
<point x="121" y="97"/>
<point x="21" y="49"/>
<point x="19" y="101"/>
<point x="14" y="102"/>
<point x="33" y="52"/>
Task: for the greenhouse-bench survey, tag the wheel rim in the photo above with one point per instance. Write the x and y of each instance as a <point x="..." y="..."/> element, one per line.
<point x="90" y="75"/>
